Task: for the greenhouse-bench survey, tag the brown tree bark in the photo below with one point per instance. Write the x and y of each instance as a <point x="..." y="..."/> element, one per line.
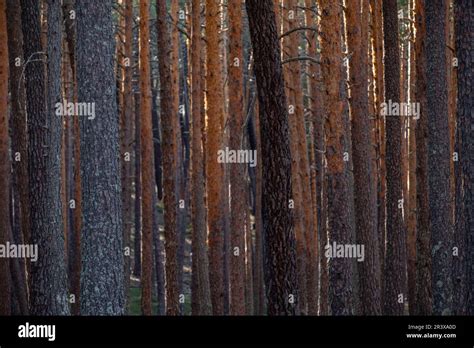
<point x="201" y="297"/>
<point x="376" y="15"/>
<point x="365" y="195"/>
<point x="340" y="228"/>
<point x="316" y="107"/>
<point x="170" y="126"/>
<point x="310" y="237"/>
<point x="146" y="138"/>
<point x="238" y="193"/>
<point x="294" y="107"/>
<point x="214" y="170"/>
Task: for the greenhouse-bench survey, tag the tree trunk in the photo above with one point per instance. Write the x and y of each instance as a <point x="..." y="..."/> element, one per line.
<point x="376" y="13"/>
<point x="5" y="286"/>
<point x="280" y="258"/>
<point x="102" y="279"/>
<point x="200" y="272"/>
<point x="394" y="286"/>
<point x="126" y="136"/>
<point x="365" y="196"/>
<point x="48" y="273"/>
<point x="170" y="126"/>
<point x="439" y="157"/>
<point x="19" y="139"/>
<point x="238" y="200"/>
<point x="464" y="24"/>
<point x="148" y="179"/>
<point x="339" y="207"/>
<point x="294" y="107"/>
<point x="215" y="172"/>
<point x="423" y="237"/>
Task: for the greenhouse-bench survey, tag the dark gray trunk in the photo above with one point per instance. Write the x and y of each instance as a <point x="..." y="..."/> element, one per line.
<point x="439" y="157"/>
<point x="102" y="280"/>
<point x="280" y="258"/>
<point x="394" y="287"/>
<point x="48" y="274"/>
<point x="464" y="24"/>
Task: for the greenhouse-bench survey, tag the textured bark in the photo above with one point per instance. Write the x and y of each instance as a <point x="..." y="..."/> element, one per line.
<point x="294" y="103"/>
<point x="395" y="255"/>
<point x="5" y="279"/>
<point x="182" y="165"/>
<point x="316" y="107"/>
<point x="48" y="274"/>
<point x="102" y="280"/>
<point x="365" y="195"/>
<point x="238" y="197"/>
<point x="137" y="248"/>
<point x="202" y="295"/>
<point x="258" y="264"/>
<point x="464" y="24"/>
<point x="376" y="15"/>
<point x="411" y="212"/>
<point x="438" y="157"/>
<point x="423" y="299"/>
<point x="146" y="138"/>
<point x="310" y="237"/>
<point x="170" y="126"/>
<point x="19" y="140"/>
<point x="126" y="131"/>
<point x="339" y="215"/>
<point x="248" y="266"/>
<point x="214" y="170"/>
<point x="280" y="258"/>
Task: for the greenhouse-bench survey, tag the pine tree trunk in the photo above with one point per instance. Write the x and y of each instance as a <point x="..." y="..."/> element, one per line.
<point x="376" y="14"/>
<point x="170" y="126"/>
<point x="5" y="286"/>
<point x="280" y="258"/>
<point x="412" y="150"/>
<point x="365" y="196"/>
<point x="146" y="137"/>
<point x="464" y="24"/>
<point x="126" y="136"/>
<point x="423" y="250"/>
<point x="102" y="279"/>
<point x="48" y="274"/>
<point x="200" y="273"/>
<point x="317" y="135"/>
<point x="19" y="140"/>
<point x="439" y="157"/>
<point x="294" y="107"/>
<point x="238" y="200"/>
<point x="214" y="171"/>
<point x="339" y="208"/>
<point x="394" y="286"/>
